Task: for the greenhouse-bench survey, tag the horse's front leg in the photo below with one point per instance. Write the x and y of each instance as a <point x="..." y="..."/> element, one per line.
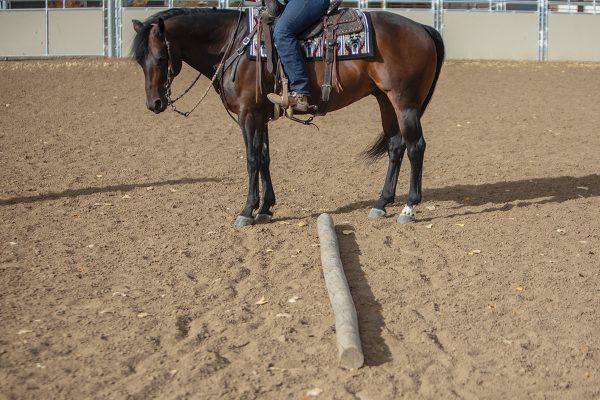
<point x="265" y="213"/>
<point x="252" y="126"/>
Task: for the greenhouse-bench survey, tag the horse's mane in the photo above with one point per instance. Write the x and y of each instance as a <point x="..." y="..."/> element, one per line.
<point x="139" y="47"/>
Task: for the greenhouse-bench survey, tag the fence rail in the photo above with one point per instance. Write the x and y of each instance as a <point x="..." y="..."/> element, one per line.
<point x="54" y="28"/>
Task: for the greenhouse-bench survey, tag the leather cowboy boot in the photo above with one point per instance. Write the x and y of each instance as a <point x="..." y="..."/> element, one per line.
<point x="298" y="101"/>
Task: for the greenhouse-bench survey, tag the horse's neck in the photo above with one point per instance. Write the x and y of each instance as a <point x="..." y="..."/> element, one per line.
<point x="210" y="38"/>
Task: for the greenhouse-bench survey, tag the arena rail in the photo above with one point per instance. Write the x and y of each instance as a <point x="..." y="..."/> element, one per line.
<point x="539" y="29"/>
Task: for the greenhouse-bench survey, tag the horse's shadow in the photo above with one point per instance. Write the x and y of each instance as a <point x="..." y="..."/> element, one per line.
<point x="369" y="310"/>
<point x="70" y="193"/>
<point x="507" y="195"/>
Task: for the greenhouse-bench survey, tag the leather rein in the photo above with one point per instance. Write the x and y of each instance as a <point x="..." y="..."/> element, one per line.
<point x="171" y="73"/>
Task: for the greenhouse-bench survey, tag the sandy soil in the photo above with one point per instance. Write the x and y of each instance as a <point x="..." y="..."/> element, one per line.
<point x="122" y="276"/>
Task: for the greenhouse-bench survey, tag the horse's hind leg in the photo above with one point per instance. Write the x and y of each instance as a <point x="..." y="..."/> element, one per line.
<point x="264" y="213"/>
<point x="395" y="149"/>
<point x="410" y="127"/>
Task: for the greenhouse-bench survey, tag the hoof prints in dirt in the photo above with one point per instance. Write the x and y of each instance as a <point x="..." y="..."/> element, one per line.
<point x="518" y="319"/>
<point x="183" y="326"/>
<point x="212" y="363"/>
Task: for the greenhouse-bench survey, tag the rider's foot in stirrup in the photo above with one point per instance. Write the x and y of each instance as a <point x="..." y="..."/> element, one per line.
<point x="298" y="101"/>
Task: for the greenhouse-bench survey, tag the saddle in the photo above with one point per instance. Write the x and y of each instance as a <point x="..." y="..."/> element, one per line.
<point x="349" y="22"/>
<point x="336" y="22"/>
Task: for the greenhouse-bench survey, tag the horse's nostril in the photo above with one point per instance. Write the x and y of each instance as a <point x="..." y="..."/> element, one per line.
<point x="158" y="105"/>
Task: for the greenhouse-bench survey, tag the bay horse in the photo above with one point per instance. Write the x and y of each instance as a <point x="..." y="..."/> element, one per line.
<point x="402" y="76"/>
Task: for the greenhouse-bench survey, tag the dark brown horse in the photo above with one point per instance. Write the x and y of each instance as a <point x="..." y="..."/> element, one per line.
<point x="402" y="76"/>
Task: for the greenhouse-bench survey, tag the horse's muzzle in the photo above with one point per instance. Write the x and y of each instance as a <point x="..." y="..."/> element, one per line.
<point x="157" y="106"/>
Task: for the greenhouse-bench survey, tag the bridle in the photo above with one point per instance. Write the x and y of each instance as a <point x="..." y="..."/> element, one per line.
<point x="171" y="72"/>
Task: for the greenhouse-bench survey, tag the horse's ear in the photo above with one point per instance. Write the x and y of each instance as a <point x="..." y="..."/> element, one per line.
<point x="137" y="25"/>
<point x="161" y="26"/>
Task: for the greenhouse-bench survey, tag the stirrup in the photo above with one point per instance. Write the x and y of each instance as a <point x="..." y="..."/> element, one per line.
<point x="296" y="101"/>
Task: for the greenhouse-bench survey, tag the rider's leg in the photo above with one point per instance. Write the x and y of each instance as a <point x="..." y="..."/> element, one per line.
<point x="297" y="16"/>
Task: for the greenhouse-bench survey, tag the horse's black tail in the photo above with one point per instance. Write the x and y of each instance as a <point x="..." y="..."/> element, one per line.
<point x="379" y="148"/>
<point x="441" y="53"/>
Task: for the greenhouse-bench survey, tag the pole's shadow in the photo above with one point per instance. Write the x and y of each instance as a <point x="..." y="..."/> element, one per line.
<point x="369" y="310"/>
<point x="69" y="193"/>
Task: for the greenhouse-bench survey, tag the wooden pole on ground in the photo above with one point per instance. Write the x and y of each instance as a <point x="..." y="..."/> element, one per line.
<point x="346" y="322"/>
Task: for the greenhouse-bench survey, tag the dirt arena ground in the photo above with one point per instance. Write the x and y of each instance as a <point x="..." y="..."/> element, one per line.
<point x="122" y="276"/>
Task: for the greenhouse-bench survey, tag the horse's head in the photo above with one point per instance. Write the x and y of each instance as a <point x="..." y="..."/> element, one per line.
<point x="159" y="60"/>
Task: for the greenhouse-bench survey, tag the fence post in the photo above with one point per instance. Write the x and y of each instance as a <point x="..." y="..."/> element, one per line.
<point x="118" y="28"/>
<point x="542" y="30"/>
<point x="437" y="8"/>
<point x="47" y="32"/>
<point x="110" y="19"/>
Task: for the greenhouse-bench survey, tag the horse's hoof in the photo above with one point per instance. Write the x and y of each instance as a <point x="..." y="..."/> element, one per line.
<point x="262" y="218"/>
<point x="407" y="215"/>
<point x="376" y="213"/>
<point x="242" y="221"/>
<point x="405" y="219"/>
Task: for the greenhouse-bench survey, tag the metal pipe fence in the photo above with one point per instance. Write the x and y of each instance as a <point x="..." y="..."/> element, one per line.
<point x="113" y="37"/>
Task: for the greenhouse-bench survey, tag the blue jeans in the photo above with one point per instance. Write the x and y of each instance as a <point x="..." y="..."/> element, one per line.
<point x="297" y="16"/>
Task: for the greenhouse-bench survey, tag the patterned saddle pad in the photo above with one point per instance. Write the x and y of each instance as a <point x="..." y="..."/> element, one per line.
<point x="349" y="46"/>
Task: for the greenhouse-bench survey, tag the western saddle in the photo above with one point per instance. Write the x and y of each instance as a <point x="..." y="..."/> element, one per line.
<point x="337" y="21"/>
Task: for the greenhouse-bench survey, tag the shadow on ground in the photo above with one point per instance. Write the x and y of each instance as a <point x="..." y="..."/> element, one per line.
<point x="369" y="310"/>
<point x="524" y="192"/>
<point x="70" y="193"/>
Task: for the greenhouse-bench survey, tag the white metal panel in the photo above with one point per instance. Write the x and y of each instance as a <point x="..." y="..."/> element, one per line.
<point x="22" y="33"/>
<point x="75" y="32"/>
<point x="490" y="35"/>
<point x="574" y="37"/>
